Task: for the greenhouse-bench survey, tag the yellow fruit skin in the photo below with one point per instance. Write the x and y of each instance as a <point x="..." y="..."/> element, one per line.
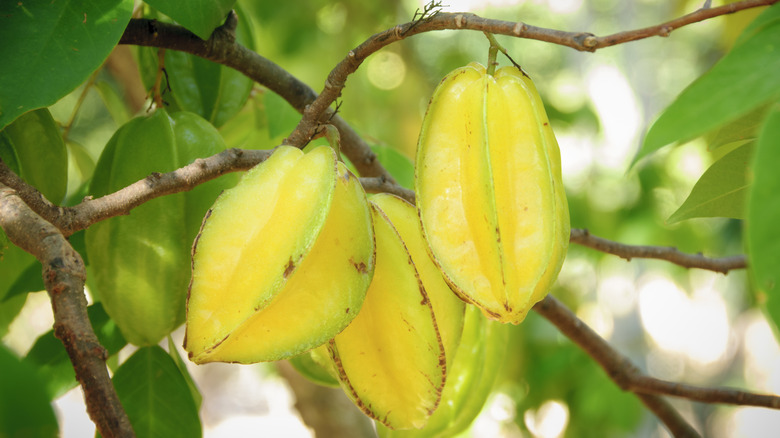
<point x="489" y="190"/>
<point x="390" y="359"/>
<point x="282" y="263"/>
<point x="448" y="309"/>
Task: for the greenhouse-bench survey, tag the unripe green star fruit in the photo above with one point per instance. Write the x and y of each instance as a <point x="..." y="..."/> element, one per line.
<point x="470" y="380"/>
<point x="391" y="359"/>
<point x="283" y="261"/>
<point x="140" y="263"/>
<point x="489" y="191"/>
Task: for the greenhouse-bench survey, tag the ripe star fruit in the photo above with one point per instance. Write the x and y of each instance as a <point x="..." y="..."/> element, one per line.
<point x="140" y="263"/>
<point x="489" y="191"/>
<point x="478" y="360"/>
<point x="392" y="359"/>
<point x="283" y="260"/>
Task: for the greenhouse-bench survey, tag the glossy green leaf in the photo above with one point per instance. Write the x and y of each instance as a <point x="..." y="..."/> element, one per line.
<point x="155" y="396"/>
<point x="200" y="17"/>
<point x="49" y="48"/>
<point x="398" y="164"/>
<point x="25" y="410"/>
<point x="763" y="215"/>
<point x="50" y="358"/>
<point x="33" y="147"/>
<point x="721" y="191"/>
<point x="743" y="80"/>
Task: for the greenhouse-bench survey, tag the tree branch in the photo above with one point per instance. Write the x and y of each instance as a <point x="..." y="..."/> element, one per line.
<point x="582" y="41"/>
<point x="72" y="219"/>
<point x="670" y="254"/>
<point x="223" y="49"/>
<point x="64" y="276"/>
<point x="629" y="378"/>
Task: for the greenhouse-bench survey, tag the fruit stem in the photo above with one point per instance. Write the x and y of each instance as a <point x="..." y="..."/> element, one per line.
<point x="334" y="139"/>
<point x="493" y="53"/>
<point x="495" y="47"/>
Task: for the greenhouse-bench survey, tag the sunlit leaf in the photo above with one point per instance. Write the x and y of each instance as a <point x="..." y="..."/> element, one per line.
<point x="763" y="215"/>
<point x="155" y="396"/>
<point x="744" y="79"/>
<point x="25" y="410"/>
<point x="201" y="17"/>
<point x="50" y="47"/>
<point x="721" y="190"/>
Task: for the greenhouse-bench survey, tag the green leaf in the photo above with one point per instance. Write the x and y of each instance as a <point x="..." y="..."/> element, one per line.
<point x="249" y="128"/>
<point x="25" y="410"/>
<point x="13" y="262"/>
<point x="50" y="358"/>
<point x="34" y="144"/>
<point x="196" y="396"/>
<point x="49" y="48"/>
<point x="114" y="102"/>
<point x="213" y="91"/>
<point x="282" y="118"/>
<point x="743" y="129"/>
<point x="721" y="190"/>
<point x="30" y="280"/>
<point x="200" y="17"/>
<point x="770" y="17"/>
<point x="84" y="163"/>
<point x="744" y="79"/>
<point x="398" y="164"/>
<point x="155" y="396"/>
<point x="763" y="215"/>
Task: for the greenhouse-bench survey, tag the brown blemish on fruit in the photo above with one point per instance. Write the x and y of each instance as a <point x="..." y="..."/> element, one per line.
<point x="361" y="267"/>
<point x="347" y="310"/>
<point x="289" y="268"/>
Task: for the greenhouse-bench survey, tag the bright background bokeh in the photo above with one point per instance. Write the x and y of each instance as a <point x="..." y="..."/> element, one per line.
<point x="684" y="325"/>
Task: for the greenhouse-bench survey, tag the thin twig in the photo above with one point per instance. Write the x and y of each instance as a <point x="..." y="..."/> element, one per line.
<point x="670" y="254"/>
<point x="64" y="275"/>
